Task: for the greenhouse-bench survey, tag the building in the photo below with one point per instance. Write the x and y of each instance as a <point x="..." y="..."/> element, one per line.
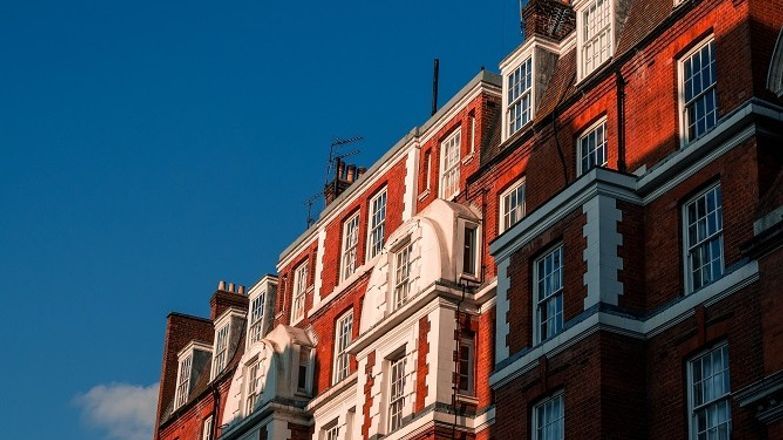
<point x="587" y="245"/>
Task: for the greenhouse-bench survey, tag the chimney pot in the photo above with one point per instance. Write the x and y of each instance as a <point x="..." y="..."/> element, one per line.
<point x="241" y="290"/>
<point x="221" y="285"/>
<point x="231" y="287"/>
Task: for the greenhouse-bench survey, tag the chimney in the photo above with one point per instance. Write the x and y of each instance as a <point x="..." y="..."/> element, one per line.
<point x="549" y="18"/>
<point x="226" y="297"/>
<point x="344" y="176"/>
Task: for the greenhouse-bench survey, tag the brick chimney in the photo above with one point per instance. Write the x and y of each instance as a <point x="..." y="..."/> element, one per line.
<point x="548" y="18"/>
<point x="345" y="175"/>
<point x="227" y="295"/>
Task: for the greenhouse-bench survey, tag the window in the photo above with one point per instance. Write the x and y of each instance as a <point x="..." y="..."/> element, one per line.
<point x="472" y="133"/>
<point x="703" y="218"/>
<point x="548" y="419"/>
<point x="709" y="403"/>
<point x="332" y="432"/>
<point x="428" y="170"/>
<point x="548" y="291"/>
<point x="512" y="205"/>
<point x="699" y="101"/>
<point x="591" y="147"/>
<point x="350" y="244"/>
<point x="449" y="165"/>
<point x="221" y="350"/>
<point x="466" y="356"/>
<point x="520" y="86"/>
<point x="183" y="381"/>
<point x="470" y="250"/>
<point x="206" y="429"/>
<point x="402" y="275"/>
<point x="343" y="331"/>
<point x="300" y="288"/>
<point x="596" y="31"/>
<point x="304" y="365"/>
<point x="377" y="224"/>
<point x="397" y="392"/>
<point x="256" y="315"/>
<point x="253" y="383"/>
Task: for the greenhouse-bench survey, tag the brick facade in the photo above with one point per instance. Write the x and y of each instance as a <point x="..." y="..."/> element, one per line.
<point x="619" y="364"/>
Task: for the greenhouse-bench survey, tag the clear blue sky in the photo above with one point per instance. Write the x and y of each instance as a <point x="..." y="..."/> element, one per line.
<point x="152" y="148"/>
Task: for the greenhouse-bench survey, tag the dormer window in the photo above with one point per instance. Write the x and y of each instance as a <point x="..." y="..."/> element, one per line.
<point x="221" y="350"/>
<point x="226" y="338"/>
<point x="520" y="86"/>
<point x="256" y="317"/>
<point x="595" y="37"/>
<point x="191" y="362"/>
<point x="183" y="380"/>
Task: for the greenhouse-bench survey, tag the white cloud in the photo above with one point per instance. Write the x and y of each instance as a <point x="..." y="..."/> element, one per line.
<point x="122" y="411"/>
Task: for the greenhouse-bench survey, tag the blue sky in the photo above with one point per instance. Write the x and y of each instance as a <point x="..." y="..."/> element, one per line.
<point x="150" y="149"/>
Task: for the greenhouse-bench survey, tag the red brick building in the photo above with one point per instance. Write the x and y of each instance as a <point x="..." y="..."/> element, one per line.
<point x="587" y="245"/>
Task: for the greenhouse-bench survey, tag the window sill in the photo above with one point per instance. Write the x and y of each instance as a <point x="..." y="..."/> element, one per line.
<point x="424" y="194"/>
<point x="468" y="159"/>
<point x="469" y="399"/>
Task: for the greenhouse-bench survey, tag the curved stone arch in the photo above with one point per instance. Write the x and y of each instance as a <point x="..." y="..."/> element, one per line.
<point x="261" y="349"/>
<point x="432" y="235"/>
<point x="775" y="75"/>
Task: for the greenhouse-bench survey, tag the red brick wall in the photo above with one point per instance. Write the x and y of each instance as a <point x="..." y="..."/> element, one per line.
<point x="180" y="330"/>
<point x="663" y="221"/>
<point x="520" y="315"/>
<point x="422" y="367"/>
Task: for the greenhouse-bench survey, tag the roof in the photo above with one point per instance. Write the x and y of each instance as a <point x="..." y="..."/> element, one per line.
<point x="483" y="76"/>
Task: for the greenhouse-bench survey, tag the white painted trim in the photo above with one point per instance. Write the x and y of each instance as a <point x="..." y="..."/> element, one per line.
<point x="643" y="329"/>
<point x="502" y="329"/>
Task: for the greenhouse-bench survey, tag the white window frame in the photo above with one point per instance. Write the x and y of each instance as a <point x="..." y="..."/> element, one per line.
<point x="331" y="431"/>
<point x="402" y="264"/>
<point x="685" y="138"/>
<point x="557" y="399"/>
<point x="299" y="294"/>
<point x="470" y="344"/>
<point x="349" y="254"/>
<point x="207" y="427"/>
<point x="376" y="225"/>
<point x="184" y="373"/>
<point x="222" y="343"/>
<point x="539" y="302"/>
<point x="450" y="165"/>
<point x="520" y="209"/>
<point x="256" y="312"/>
<point x="523" y="71"/>
<point x="582" y="9"/>
<point x="462" y="224"/>
<point x="397" y="378"/>
<point x="598" y="127"/>
<point x="343" y="334"/>
<point x="688" y="248"/>
<point x="722" y="350"/>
